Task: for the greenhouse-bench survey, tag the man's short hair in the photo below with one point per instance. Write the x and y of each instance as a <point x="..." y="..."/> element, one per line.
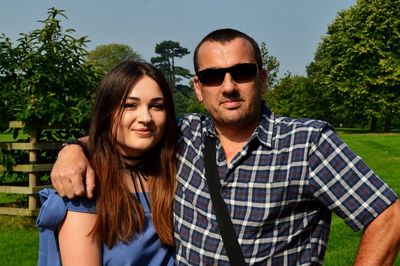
<point x="223" y="36"/>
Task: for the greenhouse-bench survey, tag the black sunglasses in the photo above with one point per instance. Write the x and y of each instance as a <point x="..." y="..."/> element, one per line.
<point x="240" y="73"/>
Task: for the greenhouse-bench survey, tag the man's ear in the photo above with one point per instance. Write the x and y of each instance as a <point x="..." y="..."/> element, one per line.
<point x="197" y="88"/>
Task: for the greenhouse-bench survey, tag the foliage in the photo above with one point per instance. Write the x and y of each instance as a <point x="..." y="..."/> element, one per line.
<point x="168" y="51"/>
<point x="44" y="80"/>
<point x="186" y="101"/>
<point x="358" y="63"/>
<point x="182" y="96"/>
<point x="271" y="64"/>
<point x="16" y="222"/>
<point x="295" y="96"/>
<point x="109" y="55"/>
<point x="195" y="106"/>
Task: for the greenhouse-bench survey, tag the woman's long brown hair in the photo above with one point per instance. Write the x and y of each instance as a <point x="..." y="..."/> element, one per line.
<point x="120" y="215"/>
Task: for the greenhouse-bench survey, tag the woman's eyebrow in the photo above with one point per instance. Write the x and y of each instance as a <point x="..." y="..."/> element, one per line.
<point x="155" y="99"/>
<point x="133" y="98"/>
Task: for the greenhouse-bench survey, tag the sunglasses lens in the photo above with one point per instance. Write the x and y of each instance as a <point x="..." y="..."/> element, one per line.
<point x="212" y="77"/>
<point x="240" y="73"/>
<point x="243" y="72"/>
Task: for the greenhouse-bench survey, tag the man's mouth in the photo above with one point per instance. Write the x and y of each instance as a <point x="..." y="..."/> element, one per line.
<point x="231" y="104"/>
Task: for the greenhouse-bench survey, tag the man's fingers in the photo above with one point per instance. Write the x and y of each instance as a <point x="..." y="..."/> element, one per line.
<point x="90" y="182"/>
<point x="76" y="182"/>
<point x="65" y="187"/>
<point x="76" y="188"/>
<point x="57" y="184"/>
<point x="69" y="172"/>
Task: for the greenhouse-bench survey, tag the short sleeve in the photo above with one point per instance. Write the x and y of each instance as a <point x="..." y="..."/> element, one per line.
<point x="50" y="217"/>
<point x="54" y="208"/>
<point x="343" y="182"/>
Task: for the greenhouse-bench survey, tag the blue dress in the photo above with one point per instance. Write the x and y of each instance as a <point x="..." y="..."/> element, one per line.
<point x="142" y="249"/>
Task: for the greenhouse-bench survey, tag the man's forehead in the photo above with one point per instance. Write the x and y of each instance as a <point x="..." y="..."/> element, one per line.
<point x="238" y="50"/>
<point x="226" y="43"/>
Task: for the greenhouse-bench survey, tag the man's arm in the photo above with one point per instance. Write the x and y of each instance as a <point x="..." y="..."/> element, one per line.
<point x="69" y="171"/>
<point x="380" y="242"/>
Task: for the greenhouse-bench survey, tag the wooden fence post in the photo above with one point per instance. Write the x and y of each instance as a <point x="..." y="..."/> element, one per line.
<point x="33" y="176"/>
<point x="33" y="147"/>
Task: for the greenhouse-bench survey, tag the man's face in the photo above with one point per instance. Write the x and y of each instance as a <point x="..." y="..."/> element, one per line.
<point x="233" y="103"/>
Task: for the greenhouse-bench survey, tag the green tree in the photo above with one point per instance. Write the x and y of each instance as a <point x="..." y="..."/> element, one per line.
<point x="44" y="80"/>
<point x="271" y="64"/>
<point x="186" y="101"/>
<point x="295" y="96"/>
<point x="109" y="55"/>
<point x="358" y="63"/>
<point x="168" y="51"/>
<point x="181" y="101"/>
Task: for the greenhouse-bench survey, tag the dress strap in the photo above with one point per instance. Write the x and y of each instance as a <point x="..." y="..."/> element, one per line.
<point x="139" y="175"/>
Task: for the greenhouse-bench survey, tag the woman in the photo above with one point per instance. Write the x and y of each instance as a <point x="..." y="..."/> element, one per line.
<point x="131" y="147"/>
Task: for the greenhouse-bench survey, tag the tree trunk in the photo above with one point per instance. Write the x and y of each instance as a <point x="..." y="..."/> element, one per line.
<point x="388" y="124"/>
<point x="373" y="126"/>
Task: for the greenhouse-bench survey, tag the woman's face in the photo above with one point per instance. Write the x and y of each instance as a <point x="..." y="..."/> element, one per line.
<point x="143" y="119"/>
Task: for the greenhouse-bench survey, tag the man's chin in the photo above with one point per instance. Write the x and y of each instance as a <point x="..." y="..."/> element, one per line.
<point x="234" y="121"/>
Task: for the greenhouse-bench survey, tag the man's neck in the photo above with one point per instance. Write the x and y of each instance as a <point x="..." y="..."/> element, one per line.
<point x="234" y="138"/>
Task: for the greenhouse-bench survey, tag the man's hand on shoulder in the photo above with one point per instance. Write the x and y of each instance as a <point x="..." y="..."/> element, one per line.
<point x="72" y="174"/>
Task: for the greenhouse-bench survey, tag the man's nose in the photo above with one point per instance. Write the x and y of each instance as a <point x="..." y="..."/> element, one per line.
<point x="229" y="84"/>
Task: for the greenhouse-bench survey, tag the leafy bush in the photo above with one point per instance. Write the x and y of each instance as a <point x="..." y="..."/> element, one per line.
<point x="45" y="81"/>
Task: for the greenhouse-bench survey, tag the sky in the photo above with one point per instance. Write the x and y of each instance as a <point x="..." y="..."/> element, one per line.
<point x="291" y="29"/>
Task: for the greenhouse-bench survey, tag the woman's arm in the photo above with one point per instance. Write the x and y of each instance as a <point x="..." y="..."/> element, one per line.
<point x="77" y="245"/>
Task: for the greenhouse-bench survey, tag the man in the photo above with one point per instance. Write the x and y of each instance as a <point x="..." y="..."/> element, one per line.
<point x="281" y="178"/>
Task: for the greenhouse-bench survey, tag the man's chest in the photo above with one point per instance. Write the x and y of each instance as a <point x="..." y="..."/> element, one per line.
<point x="260" y="183"/>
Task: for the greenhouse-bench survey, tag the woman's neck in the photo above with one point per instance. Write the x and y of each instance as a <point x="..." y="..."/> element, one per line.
<point x="131" y="162"/>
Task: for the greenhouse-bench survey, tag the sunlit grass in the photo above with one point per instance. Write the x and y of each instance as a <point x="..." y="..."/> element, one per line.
<point x="19" y="241"/>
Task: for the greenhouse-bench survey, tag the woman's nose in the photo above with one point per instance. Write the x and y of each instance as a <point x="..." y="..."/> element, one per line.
<point x="144" y="115"/>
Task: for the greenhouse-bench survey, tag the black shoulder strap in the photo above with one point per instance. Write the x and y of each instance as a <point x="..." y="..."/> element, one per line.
<point x="225" y="225"/>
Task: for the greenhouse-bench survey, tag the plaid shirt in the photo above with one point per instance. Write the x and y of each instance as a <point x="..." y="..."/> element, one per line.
<point x="280" y="190"/>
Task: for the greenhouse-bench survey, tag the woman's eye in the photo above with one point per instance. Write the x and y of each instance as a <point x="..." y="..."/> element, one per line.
<point x="158" y="106"/>
<point x="130" y="106"/>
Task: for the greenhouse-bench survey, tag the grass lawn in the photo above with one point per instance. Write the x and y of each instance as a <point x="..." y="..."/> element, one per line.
<point x="19" y="237"/>
<point x="381" y="152"/>
<point x="19" y="241"/>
